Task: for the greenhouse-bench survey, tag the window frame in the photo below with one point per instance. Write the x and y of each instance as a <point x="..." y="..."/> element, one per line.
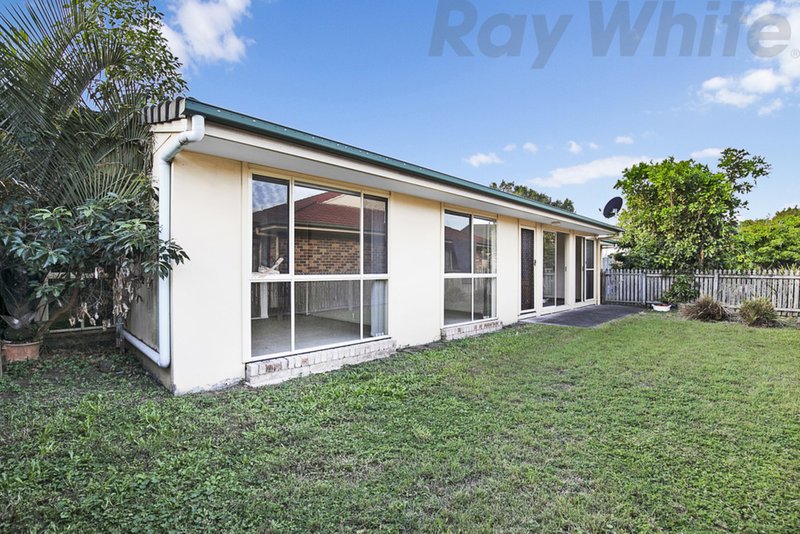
<point x="593" y="269"/>
<point x="585" y="272"/>
<point x="537" y="232"/>
<point x="251" y="278"/>
<point x="472" y="275"/>
<point x="580" y="262"/>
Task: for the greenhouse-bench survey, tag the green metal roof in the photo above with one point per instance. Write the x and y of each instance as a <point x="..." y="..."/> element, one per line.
<point x="190" y="106"/>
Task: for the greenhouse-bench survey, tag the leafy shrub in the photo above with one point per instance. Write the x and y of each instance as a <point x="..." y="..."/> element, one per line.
<point x="705" y="309"/>
<point x="683" y="290"/>
<point x="758" y="312"/>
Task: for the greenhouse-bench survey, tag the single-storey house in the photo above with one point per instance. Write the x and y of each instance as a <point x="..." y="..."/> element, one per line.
<point x="308" y="254"/>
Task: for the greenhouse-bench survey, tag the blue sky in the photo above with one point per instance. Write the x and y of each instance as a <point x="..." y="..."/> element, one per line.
<point x="362" y="72"/>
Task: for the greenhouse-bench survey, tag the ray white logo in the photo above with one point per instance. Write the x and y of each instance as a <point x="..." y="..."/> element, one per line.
<point x="460" y="28"/>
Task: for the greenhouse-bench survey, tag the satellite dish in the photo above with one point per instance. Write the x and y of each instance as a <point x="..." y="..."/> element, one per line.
<point x="613" y="208"/>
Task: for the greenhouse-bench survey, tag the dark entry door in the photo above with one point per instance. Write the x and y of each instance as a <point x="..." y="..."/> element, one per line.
<point x="528" y="269"/>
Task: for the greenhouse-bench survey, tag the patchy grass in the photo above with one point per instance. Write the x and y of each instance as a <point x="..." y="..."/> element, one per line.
<point x="649" y="423"/>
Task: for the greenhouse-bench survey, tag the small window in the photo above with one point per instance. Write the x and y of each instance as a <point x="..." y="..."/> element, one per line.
<point x="470" y="264"/>
<point x="457" y="243"/>
<point x="270" y="226"/>
<point x="485" y="253"/>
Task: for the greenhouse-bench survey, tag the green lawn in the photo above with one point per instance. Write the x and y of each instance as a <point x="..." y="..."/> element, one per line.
<point x="645" y="424"/>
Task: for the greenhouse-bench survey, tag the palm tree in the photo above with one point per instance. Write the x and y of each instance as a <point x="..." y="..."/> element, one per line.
<point x="74" y="77"/>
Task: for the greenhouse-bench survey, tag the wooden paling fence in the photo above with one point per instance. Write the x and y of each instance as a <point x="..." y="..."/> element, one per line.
<point x="731" y="288"/>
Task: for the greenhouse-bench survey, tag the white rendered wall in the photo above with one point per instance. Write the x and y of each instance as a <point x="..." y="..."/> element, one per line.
<point x="207" y="289"/>
<point x="415" y="270"/>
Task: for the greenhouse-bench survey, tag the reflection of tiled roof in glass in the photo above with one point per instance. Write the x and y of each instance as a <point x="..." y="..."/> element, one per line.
<point x="451" y="234"/>
<point x="318" y="211"/>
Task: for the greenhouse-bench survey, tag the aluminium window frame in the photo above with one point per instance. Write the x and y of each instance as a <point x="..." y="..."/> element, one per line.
<point x="472" y="275"/>
<point x="250" y="278"/>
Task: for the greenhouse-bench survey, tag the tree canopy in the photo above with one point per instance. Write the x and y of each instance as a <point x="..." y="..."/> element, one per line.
<point x="771" y="243"/>
<point x="532" y="194"/>
<point x="76" y="200"/>
<point x="681" y="215"/>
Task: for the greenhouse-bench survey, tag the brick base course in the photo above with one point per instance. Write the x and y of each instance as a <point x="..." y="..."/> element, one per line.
<point x="450" y="333"/>
<point x="280" y="370"/>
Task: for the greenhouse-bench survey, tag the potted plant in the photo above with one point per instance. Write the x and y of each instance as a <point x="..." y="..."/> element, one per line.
<point x="682" y="290"/>
<point x="20" y="337"/>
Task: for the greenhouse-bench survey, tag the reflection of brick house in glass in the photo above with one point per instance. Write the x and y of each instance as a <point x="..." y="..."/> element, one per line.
<point x="327" y="235"/>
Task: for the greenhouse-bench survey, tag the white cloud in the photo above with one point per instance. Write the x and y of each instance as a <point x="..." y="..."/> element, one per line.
<point x="530" y="147"/>
<point x="205" y="31"/>
<point x="780" y="74"/>
<point x="716" y="83"/>
<point x="510" y="148"/>
<point x="575" y="148"/>
<point x="594" y="146"/>
<point x="707" y="153"/>
<point x="770" y="108"/>
<point x="763" y="81"/>
<point x="729" y="97"/>
<point x="476" y="160"/>
<point x="587" y="172"/>
<point x="624" y="140"/>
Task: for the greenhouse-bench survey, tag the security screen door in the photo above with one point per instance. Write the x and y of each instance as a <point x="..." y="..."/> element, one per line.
<point x="555" y="269"/>
<point x="527" y="255"/>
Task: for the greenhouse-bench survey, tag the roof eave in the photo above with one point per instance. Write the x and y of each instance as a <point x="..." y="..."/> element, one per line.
<point x="189" y="106"/>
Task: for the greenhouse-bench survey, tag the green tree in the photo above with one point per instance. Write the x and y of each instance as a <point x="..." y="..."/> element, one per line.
<point x="681" y="215"/>
<point x="75" y="191"/>
<point x="770" y="243"/>
<point x="531" y="194"/>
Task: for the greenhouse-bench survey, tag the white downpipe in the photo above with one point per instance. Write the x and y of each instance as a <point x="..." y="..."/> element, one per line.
<point x="163" y="171"/>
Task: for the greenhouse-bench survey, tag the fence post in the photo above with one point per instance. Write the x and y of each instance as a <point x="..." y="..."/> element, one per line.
<point x="715" y="285"/>
<point x="643" y="285"/>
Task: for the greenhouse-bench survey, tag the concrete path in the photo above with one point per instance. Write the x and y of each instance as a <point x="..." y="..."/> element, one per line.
<point x="587" y="317"/>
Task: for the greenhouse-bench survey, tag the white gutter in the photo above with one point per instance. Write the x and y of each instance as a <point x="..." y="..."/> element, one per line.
<point x="163" y="172"/>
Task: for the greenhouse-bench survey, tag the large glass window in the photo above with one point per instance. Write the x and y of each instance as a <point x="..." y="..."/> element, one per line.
<point x="470" y="250"/>
<point x="319" y="267"/>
